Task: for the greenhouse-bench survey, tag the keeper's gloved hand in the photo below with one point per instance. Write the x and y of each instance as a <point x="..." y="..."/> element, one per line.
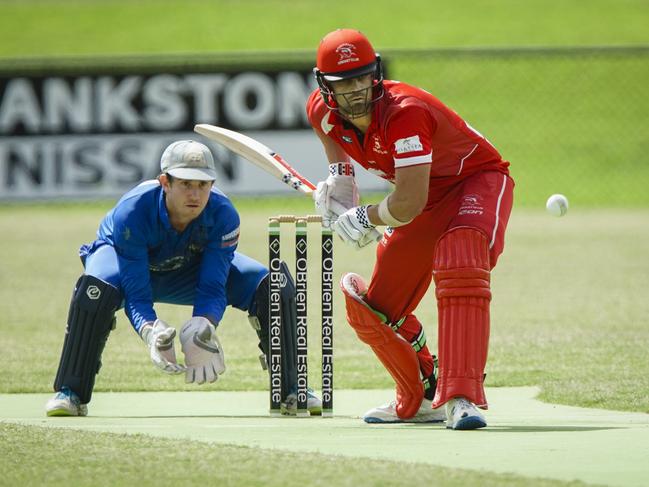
<point x="204" y="359"/>
<point x="354" y="227"/>
<point x="159" y="338"/>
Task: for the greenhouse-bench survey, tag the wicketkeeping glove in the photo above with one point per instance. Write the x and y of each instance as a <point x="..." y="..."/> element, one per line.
<point x="354" y="227"/>
<point x="204" y="359"/>
<point x="159" y="338"/>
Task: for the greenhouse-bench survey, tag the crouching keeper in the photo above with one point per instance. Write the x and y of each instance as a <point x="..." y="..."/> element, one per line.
<point x="169" y="240"/>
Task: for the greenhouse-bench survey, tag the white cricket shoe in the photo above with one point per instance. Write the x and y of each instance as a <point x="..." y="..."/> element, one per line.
<point x="65" y="403"/>
<point x="388" y="414"/>
<point x="288" y="406"/>
<point x="462" y="414"/>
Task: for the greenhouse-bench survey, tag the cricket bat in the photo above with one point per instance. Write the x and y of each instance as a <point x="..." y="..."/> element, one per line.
<point x="257" y="153"/>
<point x="271" y="162"/>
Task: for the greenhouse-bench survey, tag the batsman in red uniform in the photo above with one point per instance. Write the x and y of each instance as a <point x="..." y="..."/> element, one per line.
<point x="446" y="218"/>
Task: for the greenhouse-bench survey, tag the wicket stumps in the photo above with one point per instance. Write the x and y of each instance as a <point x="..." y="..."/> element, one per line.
<point x="275" y="313"/>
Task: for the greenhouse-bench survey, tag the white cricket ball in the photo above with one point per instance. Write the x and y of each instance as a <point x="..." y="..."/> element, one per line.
<point x="557" y="205"/>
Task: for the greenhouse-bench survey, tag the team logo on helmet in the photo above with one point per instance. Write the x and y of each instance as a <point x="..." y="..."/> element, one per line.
<point x="346" y="53"/>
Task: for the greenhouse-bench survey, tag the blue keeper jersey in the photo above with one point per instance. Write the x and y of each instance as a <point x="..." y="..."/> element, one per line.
<point x="138" y="228"/>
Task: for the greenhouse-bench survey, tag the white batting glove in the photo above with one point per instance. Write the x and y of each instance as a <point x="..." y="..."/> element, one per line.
<point x="354" y="227"/>
<point x="338" y="191"/>
<point x="204" y="359"/>
<point x="159" y="337"/>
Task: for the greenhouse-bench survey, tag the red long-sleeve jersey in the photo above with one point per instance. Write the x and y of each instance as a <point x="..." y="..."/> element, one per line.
<point x="410" y="127"/>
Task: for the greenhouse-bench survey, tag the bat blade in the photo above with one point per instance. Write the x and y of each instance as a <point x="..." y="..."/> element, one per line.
<point x="258" y="154"/>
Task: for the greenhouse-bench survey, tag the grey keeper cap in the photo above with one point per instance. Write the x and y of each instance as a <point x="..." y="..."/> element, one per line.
<point x="187" y="159"/>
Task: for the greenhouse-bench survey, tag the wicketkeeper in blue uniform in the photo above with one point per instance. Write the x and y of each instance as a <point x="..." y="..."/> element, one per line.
<point x="169" y="240"/>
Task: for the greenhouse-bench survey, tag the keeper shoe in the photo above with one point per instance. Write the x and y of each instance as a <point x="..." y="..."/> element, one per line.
<point x="65" y="403"/>
<point x="288" y="406"/>
<point x="388" y="414"/>
<point x="462" y="414"/>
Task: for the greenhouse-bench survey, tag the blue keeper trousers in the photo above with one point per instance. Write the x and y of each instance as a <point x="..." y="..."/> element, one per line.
<point x="178" y="287"/>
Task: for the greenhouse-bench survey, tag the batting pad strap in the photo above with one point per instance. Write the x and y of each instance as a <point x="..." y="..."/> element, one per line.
<point x="343" y="168"/>
<point x="397" y="324"/>
<point x="419" y="341"/>
<point x="430" y="382"/>
<point x="387" y="217"/>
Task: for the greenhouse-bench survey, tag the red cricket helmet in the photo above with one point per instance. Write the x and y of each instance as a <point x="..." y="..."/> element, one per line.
<point x="343" y="54"/>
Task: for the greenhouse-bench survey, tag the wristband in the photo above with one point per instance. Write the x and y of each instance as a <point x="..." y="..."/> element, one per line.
<point x="341" y="169"/>
<point x="386" y="216"/>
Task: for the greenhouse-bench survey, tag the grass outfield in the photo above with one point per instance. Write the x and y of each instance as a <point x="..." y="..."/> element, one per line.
<point x="568" y="310"/>
<point x="32" y="456"/>
<point x="42" y="28"/>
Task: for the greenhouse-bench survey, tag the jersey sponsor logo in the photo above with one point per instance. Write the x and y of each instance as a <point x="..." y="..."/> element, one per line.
<point x="471" y="205"/>
<point x="408" y="144"/>
<point x="378" y="147"/>
<point x="230" y="239"/>
<point x="346" y="53"/>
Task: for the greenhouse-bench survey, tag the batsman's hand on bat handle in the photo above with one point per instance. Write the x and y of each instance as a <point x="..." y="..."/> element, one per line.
<point x="339" y="188"/>
<point x="335" y="211"/>
<point x="204" y="358"/>
<point x="372" y="236"/>
<point x="355" y="228"/>
<point x="159" y="338"/>
<point x="323" y="205"/>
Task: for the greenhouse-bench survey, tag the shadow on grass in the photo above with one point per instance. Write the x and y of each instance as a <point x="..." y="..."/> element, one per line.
<point x="547" y="429"/>
<point x="211" y="416"/>
<point x="504" y="428"/>
<point x="358" y="423"/>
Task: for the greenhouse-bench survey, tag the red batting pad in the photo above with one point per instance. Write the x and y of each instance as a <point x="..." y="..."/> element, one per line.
<point x="461" y="273"/>
<point x="396" y="354"/>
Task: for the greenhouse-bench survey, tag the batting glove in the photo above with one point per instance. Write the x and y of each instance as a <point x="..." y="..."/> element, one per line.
<point x="204" y="359"/>
<point x="159" y="337"/>
<point x="338" y="191"/>
<point x="354" y="227"/>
